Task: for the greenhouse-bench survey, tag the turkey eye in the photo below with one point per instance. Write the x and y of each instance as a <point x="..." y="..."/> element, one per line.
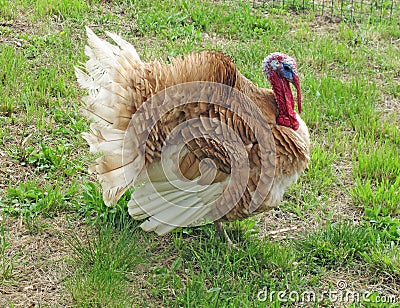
<point x="286" y="68"/>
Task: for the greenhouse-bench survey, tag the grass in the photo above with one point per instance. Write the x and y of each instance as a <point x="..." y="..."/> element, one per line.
<point x="104" y="265"/>
<point x="334" y="245"/>
<point x="6" y="261"/>
<point x="340" y="222"/>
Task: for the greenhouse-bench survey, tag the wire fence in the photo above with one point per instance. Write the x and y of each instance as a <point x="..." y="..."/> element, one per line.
<point x="349" y="10"/>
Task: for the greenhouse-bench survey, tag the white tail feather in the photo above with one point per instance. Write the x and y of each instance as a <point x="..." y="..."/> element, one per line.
<point x="110" y="71"/>
<point x="126" y="47"/>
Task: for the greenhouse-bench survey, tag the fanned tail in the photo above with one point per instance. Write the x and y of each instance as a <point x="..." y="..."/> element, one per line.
<point x="109" y="76"/>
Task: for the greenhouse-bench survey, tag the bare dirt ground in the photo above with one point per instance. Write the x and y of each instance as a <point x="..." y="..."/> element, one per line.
<point x="38" y="256"/>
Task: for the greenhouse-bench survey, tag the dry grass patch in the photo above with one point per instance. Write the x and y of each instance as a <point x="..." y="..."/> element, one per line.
<point x="39" y="255"/>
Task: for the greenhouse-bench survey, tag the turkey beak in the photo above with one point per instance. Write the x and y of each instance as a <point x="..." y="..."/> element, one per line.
<point x="296" y="83"/>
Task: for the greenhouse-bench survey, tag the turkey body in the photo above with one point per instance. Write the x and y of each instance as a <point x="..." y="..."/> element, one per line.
<point x="197" y="140"/>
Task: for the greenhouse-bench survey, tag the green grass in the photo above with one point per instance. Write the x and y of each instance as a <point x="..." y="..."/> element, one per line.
<point x="343" y="215"/>
<point x="6" y="261"/>
<point x="335" y="245"/>
<point x="105" y="264"/>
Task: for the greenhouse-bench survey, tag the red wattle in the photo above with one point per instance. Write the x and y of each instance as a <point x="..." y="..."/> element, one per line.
<point x="285" y="100"/>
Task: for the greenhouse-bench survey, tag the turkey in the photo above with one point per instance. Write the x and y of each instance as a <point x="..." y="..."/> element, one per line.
<point x="196" y="139"/>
